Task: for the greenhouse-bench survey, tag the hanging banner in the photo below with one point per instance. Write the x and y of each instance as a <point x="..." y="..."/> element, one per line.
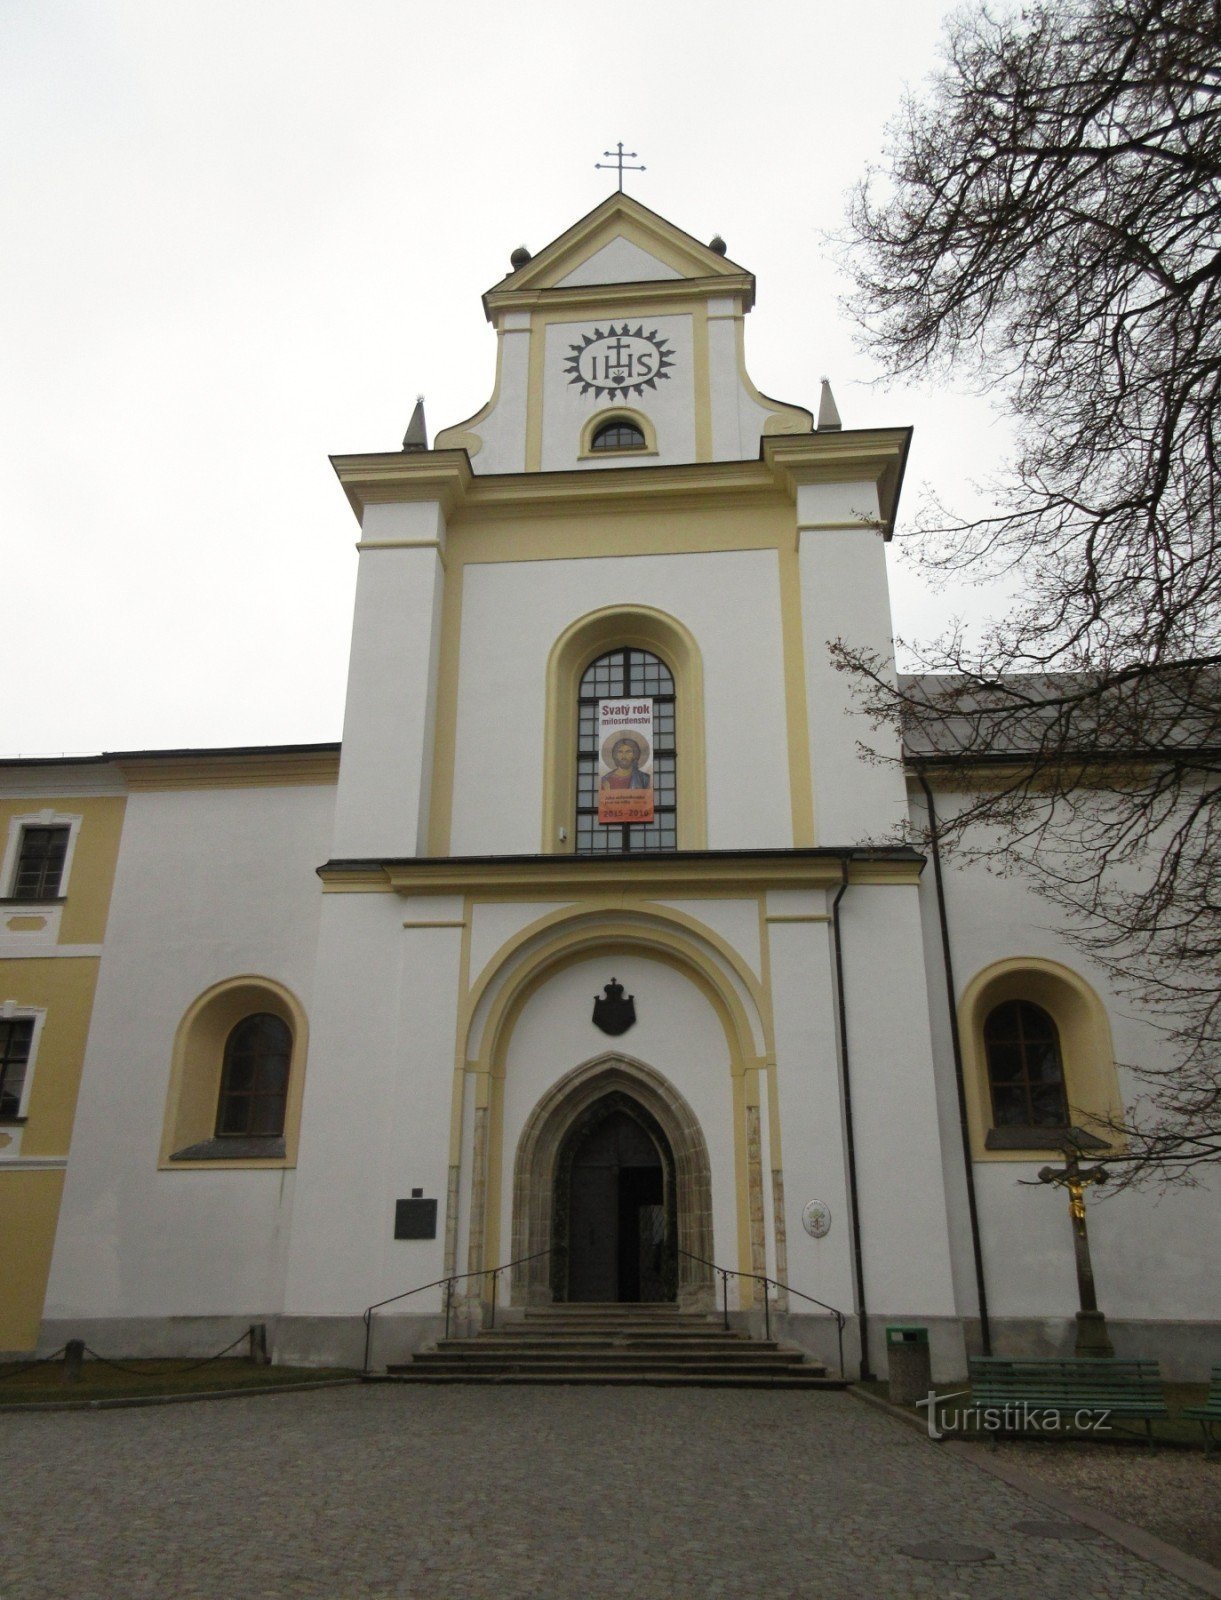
<point x="625" y="772"/>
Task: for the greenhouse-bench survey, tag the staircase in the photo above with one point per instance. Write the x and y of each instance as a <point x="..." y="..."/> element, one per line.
<point x="655" y="1345"/>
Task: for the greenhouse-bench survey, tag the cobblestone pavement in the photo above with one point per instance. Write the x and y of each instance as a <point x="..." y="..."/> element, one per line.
<point x="467" y="1493"/>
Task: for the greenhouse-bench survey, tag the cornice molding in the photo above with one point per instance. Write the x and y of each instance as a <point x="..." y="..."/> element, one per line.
<point x="785" y="462"/>
<point x="644" y="876"/>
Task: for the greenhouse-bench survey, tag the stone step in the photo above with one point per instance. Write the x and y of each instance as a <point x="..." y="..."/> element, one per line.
<point x="676" y="1347"/>
<point x="615" y="1344"/>
<point x="789" y="1378"/>
<point x="605" y="1358"/>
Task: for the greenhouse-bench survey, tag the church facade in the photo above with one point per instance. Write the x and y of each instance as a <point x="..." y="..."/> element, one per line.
<point x="595" y="952"/>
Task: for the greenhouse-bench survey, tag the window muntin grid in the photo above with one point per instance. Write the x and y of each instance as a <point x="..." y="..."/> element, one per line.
<point x="626" y="674"/>
<point x="1025" y="1069"/>
<point x="40" y="863"/>
<point x="618" y="436"/>
<point x="16" y="1041"/>
<point x="254" y="1083"/>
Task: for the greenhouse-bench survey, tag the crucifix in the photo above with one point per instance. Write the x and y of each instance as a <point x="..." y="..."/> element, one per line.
<point x="1092" y="1336"/>
<point x="618" y="155"/>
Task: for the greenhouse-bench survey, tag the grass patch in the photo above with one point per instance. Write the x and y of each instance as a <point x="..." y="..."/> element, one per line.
<point x="30" y="1382"/>
<point x="955" y="1419"/>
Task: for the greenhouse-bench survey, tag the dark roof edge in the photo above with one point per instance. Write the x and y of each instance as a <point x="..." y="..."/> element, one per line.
<point x="197" y="753"/>
<point x="899" y="852"/>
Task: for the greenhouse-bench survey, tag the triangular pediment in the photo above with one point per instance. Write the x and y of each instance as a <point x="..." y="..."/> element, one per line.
<point x="620" y="241"/>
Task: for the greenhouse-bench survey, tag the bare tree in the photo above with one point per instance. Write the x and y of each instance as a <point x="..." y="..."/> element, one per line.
<point x="1050" y="220"/>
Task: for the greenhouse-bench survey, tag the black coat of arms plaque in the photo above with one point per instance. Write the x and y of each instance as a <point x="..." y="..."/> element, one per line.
<point x="614" y="1012"/>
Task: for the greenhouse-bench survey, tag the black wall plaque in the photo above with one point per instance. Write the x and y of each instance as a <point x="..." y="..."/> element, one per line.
<point x="415" y="1219"/>
<point x="614" y="1012"/>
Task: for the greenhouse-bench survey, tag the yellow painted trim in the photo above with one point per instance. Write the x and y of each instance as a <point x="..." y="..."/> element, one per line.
<point x="783" y="417"/>
<point x="678" y="927"/>
<point x="619" y="216"/>
<point x="610" y="414"/>
<point x="655" y="876"/>
<point x="1090" y="1079"/>
<point x="197" y="1060"/>
<point x="702" y="388"/>
<point x="445" y="736"/>
<point x="796" y="704"/>
<point x="535" y="388"/>
<point x="445" y="476"/>
<point x="460" y="1062"/>
<point x="461" y="435"/>
<point x="641" y="628"/>
<point x="357" y="880"/>
<point x="581" y="302"/>
<point x="262" y="770"/>
<point x="440" y="922"/>
<point x="811" y="916"/>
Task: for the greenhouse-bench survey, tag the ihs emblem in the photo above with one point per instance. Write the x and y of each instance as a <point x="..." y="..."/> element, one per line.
<point x="619" y="361"/>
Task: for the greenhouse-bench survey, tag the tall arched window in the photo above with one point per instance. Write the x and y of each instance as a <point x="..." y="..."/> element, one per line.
<point x="626" y="674"/>
<point x="254" y="1081"/>
<point x="1025" y="1068"/>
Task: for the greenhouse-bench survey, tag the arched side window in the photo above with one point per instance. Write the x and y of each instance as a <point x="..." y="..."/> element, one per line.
<point x="254" y="1080"/>
<point x="1037" y="1058"/>
<point x="1025" y="1068"/>
<point x="237" y="1078"/>
<point x="626" y="673"/>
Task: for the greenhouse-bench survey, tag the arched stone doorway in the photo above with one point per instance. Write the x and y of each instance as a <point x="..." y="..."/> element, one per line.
<point x="614" y="1224"/>
<point x="613" y="1116"/>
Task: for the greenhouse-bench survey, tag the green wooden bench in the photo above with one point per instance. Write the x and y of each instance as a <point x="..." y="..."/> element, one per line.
<point x="1208" y="1413"/>
<point x="1080" y="1388"/>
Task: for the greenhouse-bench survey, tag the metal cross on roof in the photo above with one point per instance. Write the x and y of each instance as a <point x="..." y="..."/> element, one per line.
<point x="618" y="154"/>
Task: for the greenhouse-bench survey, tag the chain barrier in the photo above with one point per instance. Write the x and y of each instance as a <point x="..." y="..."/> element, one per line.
<point x="168" y="1372"/>
<point x="134" y="1372"/>
<point x="28" y="1366"/>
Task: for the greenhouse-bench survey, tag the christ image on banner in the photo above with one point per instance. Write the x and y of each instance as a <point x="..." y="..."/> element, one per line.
<point x="625" y="782"/>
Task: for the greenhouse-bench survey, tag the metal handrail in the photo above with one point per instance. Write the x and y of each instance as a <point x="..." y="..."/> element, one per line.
<point x="759" y="1277"/>
<point x="454" y="1277"/>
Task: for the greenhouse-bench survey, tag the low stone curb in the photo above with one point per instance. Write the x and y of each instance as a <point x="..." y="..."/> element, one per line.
<point x="121" y="1402"/>
<point x="1188" y="1569"/>
<point x="1167" y="1557"/>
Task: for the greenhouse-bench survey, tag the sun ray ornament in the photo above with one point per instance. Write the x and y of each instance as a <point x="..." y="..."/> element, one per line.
<point x="616" y="362"/>
<point x="618" y="154"/>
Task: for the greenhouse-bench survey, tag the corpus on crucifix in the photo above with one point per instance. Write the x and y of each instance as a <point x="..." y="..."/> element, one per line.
<point x="1092" y="1336"/>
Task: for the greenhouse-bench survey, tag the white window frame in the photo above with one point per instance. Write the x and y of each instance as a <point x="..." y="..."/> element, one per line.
<point x="11" y="1011"/>
<point x="12" y="851"/>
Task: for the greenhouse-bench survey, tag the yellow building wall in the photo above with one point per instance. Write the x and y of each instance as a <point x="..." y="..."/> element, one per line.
<point x="63" y="988"/>
<point x="29" y="1211"/>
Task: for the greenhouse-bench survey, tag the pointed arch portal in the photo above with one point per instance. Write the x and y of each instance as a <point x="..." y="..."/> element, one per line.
<point x="612" y="1181"/>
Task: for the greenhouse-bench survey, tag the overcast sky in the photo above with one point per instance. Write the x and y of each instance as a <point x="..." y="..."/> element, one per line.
<point x="240" y="237"/>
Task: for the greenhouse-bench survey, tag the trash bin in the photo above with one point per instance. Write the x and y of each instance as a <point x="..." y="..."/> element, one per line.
<point x="907" y="1355"/>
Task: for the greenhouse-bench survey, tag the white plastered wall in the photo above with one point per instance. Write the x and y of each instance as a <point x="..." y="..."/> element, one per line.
<point x="385" y="778"/>
<point x="904" y="1224"/>
<point x="512" y="614"/>
<point x="669" y="404"/>
<point x="1154" y="1254"/>
<point x="210" y="885"/>
<point x="844" y="594"/>
<point x="376" y="1117"/>
<point x="677" y="1033"/>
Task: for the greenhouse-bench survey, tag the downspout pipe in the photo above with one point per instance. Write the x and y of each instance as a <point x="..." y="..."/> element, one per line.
<point x="964" y="1129"/>
<point x="866" y="1373"/>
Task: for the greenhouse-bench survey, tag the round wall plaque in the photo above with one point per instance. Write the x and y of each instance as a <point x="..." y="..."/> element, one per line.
<point x="816" y="1218"/>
